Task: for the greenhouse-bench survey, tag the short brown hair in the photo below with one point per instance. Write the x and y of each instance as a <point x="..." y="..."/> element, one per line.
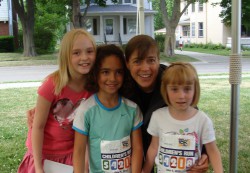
<point x="141" y="43"/>
<point x="180" y="73"/>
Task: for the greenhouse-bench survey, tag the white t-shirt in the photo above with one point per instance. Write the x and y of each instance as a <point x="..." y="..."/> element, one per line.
<point x="180" y="142"/>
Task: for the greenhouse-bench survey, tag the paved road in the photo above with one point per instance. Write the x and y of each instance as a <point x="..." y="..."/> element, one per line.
<point x="207" y="64"/>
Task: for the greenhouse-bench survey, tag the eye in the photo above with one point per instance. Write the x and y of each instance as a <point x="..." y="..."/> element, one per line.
<point x="120" y="72"/>
<point x="151" y="60"/>
<point x="105" y="72"/>
<point x="76" y="53"/>
<point x="90" y="51"/>
<point x="187" y="88"/>
<point x="137" y="61"/>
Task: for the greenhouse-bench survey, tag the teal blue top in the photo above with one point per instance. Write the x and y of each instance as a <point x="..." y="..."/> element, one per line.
<point x="102" y="124"/>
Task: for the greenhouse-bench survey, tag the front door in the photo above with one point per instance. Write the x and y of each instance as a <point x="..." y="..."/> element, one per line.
<point x="109" y="29"/>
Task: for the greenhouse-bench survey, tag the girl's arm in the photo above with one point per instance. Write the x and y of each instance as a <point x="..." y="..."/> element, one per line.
<point x="39" y="122"/>
<point x="214" y="157"/>
<point x="137" y="151"/>
<point x="151" y="154"/>
<point x="79" y="152"/>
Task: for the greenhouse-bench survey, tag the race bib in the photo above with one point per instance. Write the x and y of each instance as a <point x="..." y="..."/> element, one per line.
<point x="116" y="155"/>
<point x="176" y="153"/>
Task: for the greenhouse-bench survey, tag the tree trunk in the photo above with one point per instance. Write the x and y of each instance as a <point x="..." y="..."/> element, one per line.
<point x="171" y="21"/>
<point x="170" y="41"/>
<point x="78" y="19"/>
<point x="28" y="41"/>
<point x="26" y="14"/>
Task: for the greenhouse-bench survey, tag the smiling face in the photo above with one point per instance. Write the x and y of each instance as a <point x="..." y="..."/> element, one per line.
<point x="82" y="55"/>
<point x="144" y="70"/>
<point x="110" y="75"/>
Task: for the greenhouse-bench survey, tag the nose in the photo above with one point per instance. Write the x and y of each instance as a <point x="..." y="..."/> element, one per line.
<point x="145" y="65"/>
<point x="181" y="94"/>
<point x="112" y="76"/>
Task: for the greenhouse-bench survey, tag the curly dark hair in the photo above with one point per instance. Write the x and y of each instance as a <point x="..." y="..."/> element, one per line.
<point x="102" y="52"/>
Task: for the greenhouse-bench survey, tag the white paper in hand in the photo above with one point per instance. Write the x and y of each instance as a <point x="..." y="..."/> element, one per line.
<point x="55" y="167"/>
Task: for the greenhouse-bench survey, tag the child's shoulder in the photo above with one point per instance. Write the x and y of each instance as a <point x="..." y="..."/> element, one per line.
<point x="129" y="102"/>
<point x="203" y="116"/>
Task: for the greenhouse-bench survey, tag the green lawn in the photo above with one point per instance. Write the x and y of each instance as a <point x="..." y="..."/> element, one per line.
<point x="215" y="101"/>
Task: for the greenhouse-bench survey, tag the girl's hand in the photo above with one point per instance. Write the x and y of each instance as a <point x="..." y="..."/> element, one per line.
<point x="201" y="166"/>
<point x="40" y="171"/>
<point x="30" y="117"/>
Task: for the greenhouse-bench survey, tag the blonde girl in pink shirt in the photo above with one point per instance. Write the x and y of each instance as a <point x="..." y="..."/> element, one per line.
<point x="51" y="136"/>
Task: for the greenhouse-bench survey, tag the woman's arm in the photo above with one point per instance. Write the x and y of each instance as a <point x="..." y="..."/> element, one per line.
<point x="30" y="116"/>
<point x="39" y="122"/>
<point x="151" y="154"/>
<point x="137" y="151"/>
<point x="214" y="157"/>
<point x="79" y="152"/>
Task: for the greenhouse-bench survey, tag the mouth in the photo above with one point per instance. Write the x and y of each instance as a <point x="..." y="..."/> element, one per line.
<point x="144" y="75"/>
<point x="84" y="64"/>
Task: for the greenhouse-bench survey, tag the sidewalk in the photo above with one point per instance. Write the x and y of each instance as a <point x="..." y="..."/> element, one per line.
<point x="207" y="64"/>
<point x="37" y="84"/>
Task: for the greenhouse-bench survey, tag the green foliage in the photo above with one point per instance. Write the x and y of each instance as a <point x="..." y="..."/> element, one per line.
<point x="7" y="44"/>
<point x="158" y="22"/>
<point x="226" y="13"/>
<point x="209" y="46"/>
<point x="49" y="26"/>
<point x="160" y="39"/>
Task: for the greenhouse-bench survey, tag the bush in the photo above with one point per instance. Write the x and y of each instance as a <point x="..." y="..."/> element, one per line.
<point x="160" y="39"/>
<point x="7" y="44"/>
<point x="45" y="41"/>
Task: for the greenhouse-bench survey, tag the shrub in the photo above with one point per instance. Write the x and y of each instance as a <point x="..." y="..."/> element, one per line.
<point x="160" y="39"/>
<point x="7" y="44"/>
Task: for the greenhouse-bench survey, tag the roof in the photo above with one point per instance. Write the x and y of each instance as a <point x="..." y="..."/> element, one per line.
<point x="119" y="9"/>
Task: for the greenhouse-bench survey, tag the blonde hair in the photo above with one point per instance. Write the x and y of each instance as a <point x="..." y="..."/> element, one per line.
<point x="180" y="73"/>
<point x="62" y="76"/>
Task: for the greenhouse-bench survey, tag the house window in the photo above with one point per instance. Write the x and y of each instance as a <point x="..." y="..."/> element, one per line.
<point x="200" y="29"/>
<point x="200" y="6"/>
<point x="193" y="7"/>
<point x="186" y="30"/>
<point x="127" y="1"/>
<point x="134" y="2"/>
<point x="129" y="25"/>
<point x="193" y="29"/>
<point x="124" y="25"/>
<point x="91" y="26"/>
<point x="109" y="26"/>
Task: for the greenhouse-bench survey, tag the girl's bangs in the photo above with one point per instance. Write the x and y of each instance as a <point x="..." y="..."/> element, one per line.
<point x="180" y="76"/>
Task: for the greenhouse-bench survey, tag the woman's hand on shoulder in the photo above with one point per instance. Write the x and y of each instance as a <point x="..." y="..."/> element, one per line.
<point x="201" y="166"/>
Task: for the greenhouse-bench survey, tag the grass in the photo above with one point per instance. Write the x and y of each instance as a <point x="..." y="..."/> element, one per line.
<point x="17" y="59"/>
<point x="215" y="101"/>
<point x="224" y="52"/>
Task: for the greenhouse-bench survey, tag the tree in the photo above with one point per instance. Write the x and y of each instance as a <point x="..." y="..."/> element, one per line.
<point x="26" y="13"/>
<point x="171" y="14"/>
<point x="227" y="12"/>
<point x="49" y="25"/>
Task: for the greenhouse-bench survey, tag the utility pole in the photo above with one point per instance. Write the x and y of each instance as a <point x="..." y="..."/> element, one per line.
<point x="140" y="15"/>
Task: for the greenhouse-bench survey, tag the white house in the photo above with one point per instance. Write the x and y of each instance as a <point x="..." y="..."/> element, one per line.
<point x="8" y="20"/>
<point x="117" y="23"/>
<point x="201" y="24"/>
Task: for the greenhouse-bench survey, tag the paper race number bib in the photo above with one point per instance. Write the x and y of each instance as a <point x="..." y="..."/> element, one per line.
<point x="176" y="152"/>
<point x="116" y="155"/>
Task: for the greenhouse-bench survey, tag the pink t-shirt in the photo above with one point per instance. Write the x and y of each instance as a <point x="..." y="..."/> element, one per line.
<point x="58" y="132"/>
